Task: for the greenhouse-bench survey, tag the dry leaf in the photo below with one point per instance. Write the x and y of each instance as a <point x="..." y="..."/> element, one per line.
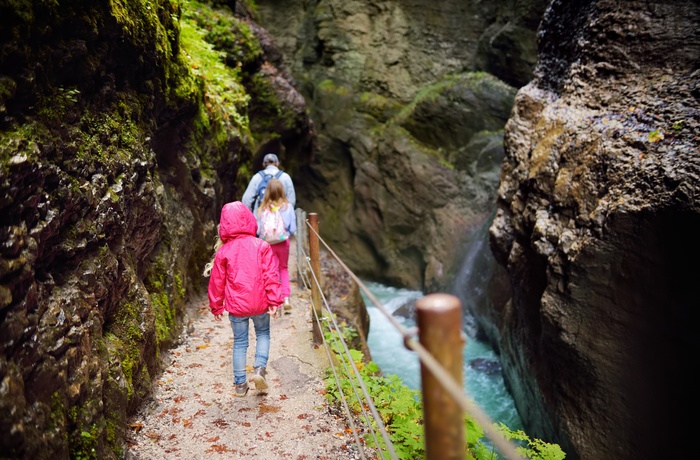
<point x="137" y="426"/>
<point x="219" y="448"/>
<point x="221" y="423"/>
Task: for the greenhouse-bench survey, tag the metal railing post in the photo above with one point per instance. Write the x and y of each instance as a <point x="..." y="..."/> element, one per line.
<point x="439" y="321"/>
<point x="315" y="255"/>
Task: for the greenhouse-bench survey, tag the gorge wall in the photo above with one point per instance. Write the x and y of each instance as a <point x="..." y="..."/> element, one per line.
<point x="124" y="127"/>
<point x="598" y="213"/>
<point x="408" y="101"/>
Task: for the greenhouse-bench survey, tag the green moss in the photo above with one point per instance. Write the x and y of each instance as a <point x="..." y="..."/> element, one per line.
<point x="83" y="439"/>
<point x="225" y="96"/>
<point x="329" y="86"/>
<point x="126" y="338"/>
<point x="179" y="286"/>
<point x="272" y="115"/>
<point x="164" y="310"/>
<point x="57" y="418"/>
<point x="111" y="433"/>
<point x="379" y="107"/>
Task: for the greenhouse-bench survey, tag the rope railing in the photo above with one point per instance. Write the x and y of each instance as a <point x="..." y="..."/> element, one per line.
<point x="455" y="390"/>
<point x="347" y="358"/>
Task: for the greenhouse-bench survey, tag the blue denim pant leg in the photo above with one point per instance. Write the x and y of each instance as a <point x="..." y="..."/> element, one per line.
<point x="239" y="326"/>
<point x="261" y="323"/>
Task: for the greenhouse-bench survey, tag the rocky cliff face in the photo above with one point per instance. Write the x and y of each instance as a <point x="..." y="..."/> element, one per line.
<point x="408" y="120"/>
<point x="598" y="213"/>
<point x="122" y="133"/>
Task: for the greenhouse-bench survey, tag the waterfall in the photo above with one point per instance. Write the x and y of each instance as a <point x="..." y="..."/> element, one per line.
<point x="473" y="278"/>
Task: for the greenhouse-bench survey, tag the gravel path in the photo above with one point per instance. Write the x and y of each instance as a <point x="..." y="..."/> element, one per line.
<point x="194" y="414"/>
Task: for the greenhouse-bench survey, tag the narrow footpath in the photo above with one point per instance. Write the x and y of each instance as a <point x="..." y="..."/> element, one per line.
<point x="193" y="413"/>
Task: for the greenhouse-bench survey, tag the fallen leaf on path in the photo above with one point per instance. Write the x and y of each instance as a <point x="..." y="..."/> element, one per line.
<point x="214" y="439"/>
<point x="137" y="426"/>
<point x="219" y="448"/>
<point x="266" y="408"/>
<point x="221" y="423"/>
<point x="152" y="435"/>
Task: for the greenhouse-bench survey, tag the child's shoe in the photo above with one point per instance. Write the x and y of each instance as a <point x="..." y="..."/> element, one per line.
<point x="259" y="378"/>
<point x="241" y="389"/>
<point x="287" y="305"/>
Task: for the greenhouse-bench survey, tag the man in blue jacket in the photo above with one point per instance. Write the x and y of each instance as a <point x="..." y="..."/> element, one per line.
<point x="271" y="169"/>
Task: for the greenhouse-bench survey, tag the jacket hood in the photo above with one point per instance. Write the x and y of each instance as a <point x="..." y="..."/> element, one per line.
<point x="236" y="219"/>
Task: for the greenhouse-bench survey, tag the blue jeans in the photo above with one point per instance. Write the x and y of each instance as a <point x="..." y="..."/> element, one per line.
<point x="239" y="326"/>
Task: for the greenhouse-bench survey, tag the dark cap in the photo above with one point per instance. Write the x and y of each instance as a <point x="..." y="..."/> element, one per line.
<point x="270" y="158"/>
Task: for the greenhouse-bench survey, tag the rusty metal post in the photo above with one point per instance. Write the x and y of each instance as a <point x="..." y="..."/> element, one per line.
<point x="439" y="320"/>
<point x="315" y="255"/>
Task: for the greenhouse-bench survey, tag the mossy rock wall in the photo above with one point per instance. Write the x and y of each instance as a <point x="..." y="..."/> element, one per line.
<point x="124" y="128"/>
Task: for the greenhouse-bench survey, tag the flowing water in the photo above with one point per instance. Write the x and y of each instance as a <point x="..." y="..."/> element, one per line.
<point x="484" y="387"/>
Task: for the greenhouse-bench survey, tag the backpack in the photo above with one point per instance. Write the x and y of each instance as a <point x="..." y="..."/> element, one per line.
<point x="272" y="226"/>
<point x="260" y="192"/>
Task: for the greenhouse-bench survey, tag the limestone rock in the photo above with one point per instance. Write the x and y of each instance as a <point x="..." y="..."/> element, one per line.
<point x="598" y="211"/>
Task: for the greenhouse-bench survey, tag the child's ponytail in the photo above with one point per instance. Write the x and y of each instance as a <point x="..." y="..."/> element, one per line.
<point x="217" y="245"/>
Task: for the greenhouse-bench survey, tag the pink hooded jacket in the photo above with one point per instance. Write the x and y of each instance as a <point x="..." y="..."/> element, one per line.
<point x="245" y="275"/>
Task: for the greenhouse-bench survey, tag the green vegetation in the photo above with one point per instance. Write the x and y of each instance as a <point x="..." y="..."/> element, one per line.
<point x="225" y="98"/>
<point x="163" y="308"/>
<point x="400" y="409"/>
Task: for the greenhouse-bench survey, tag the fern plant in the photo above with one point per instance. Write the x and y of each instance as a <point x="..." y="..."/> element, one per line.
<point x="401" y="410"/>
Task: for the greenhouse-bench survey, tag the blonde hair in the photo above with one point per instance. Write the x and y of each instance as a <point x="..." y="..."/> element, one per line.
<point x="217" y="246"/>
<point x="274" y="195"/>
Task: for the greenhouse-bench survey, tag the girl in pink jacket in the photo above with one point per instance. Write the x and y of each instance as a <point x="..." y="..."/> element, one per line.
<point x="244" y="281"/>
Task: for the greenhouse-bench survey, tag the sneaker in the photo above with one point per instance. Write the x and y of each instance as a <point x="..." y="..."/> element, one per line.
<point x="241" y="389"/>
<point x="287" y="305"/>
<point x="259" y="378"/>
